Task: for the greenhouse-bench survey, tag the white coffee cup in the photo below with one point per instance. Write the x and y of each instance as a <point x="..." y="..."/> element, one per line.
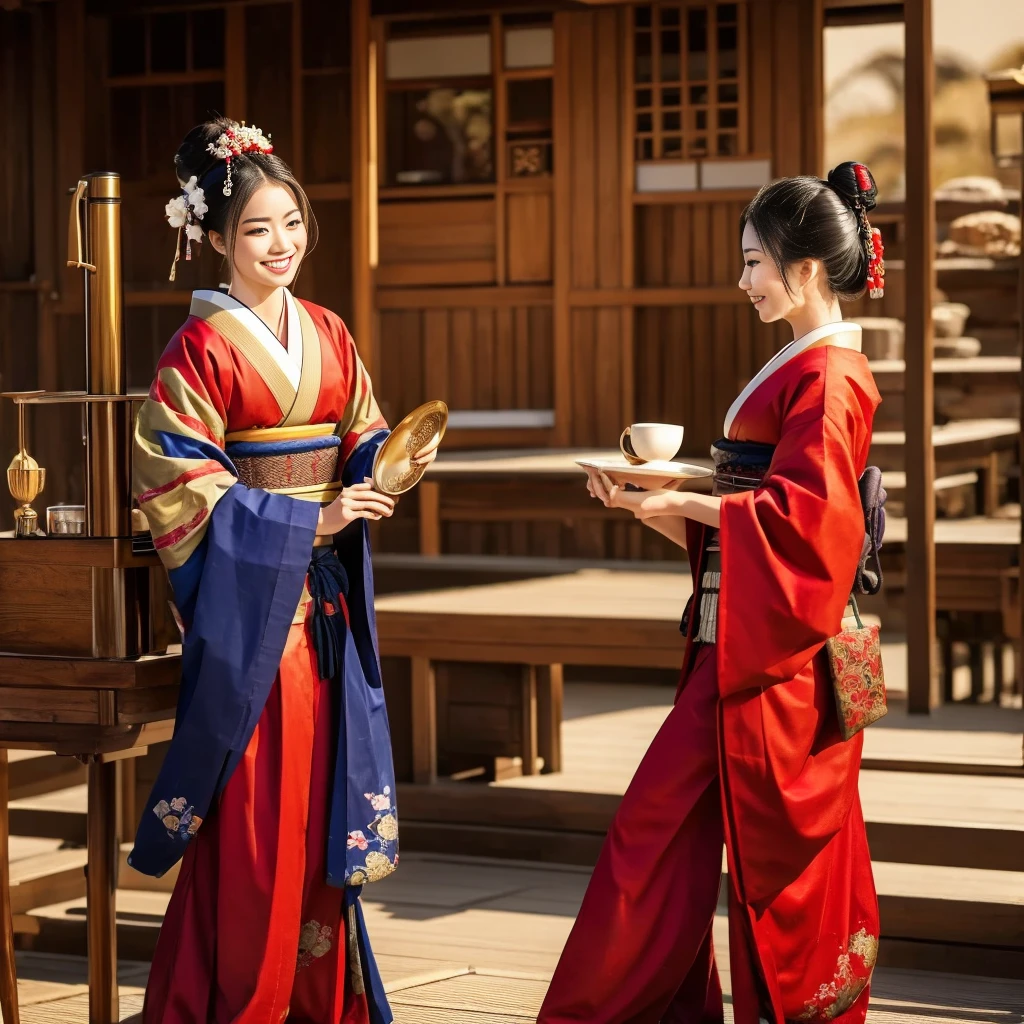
<point x="652" y="442"/>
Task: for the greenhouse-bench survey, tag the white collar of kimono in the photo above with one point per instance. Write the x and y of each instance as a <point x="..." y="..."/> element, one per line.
<point x="791" y="351"/>
<point x="290" y="359"/>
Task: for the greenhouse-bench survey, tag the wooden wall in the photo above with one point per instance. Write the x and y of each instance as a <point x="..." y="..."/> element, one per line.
<point x="593" y="219"/>
<point x="567" y="294"/>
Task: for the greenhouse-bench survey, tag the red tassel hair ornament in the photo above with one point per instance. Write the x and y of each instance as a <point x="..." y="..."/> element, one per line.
<point x="876" y="265"/>
<point x="875" y="248"/>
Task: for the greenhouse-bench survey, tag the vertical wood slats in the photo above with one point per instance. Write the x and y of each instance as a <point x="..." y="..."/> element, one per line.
<point x="598" y="341"/>
<point x="363" y="187"/>
<point x="480" y="358"/>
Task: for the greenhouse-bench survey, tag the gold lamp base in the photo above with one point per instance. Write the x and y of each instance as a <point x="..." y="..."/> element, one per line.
<point x="25" y="480"/>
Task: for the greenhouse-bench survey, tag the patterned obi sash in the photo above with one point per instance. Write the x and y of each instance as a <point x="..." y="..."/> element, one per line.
<point x="739" y="466"/>
<point x="742" y="466"/>
<point x="299" y="461"/>
<point x="283" y="458"/>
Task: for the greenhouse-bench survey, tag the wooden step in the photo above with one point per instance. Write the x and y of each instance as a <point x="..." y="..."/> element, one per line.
<point x="56" y="815"/>
<point x="35" y="772"/>
<point x="41" y="877"/>
<point x="61" y="927"/>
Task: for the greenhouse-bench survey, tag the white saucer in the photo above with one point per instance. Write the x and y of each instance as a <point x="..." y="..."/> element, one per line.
<point x="662" y="470"/>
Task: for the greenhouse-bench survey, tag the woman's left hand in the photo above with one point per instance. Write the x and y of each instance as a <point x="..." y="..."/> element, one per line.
<point x="426" y="455"/>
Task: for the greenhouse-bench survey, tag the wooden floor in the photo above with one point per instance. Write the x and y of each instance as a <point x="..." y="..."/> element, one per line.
<point x="463" y="941"/>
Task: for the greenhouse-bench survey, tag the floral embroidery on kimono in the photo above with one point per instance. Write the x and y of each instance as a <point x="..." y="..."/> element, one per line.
<point x="177" y="818"/>
<point x="853" y="972"/>
<point x="384" y="830"/>
<point x="314" y="942"/>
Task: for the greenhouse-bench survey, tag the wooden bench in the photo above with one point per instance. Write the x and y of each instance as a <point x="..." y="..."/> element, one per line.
<point x="474" y="674"/>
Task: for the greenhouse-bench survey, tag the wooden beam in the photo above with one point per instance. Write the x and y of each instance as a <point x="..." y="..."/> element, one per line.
<point x="234" y="76"/>
<point x="561" y="133"/>
<point x="923" y="691"/>
<point x="424" y="721"/>
<point x="101" y="889"/>
<point x="815" y="132"/>
<point x="363" y="188"/>
<point x="1019" y="649"/>
<point x="44" y="190"/>
<point x="8" y="978"/>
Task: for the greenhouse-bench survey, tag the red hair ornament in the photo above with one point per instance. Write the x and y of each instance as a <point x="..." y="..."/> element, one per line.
<point x="875" y="248"/>
<point x="876" y="265"/>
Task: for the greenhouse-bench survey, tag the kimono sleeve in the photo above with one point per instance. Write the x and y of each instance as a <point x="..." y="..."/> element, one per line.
<point x="790" y="548"/>
<point x="180" y="469"/>
<point x="362" y="428"/>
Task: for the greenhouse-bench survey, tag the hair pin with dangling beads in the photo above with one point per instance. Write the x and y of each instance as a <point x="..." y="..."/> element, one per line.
<point x="183" y="212"/>
<point x="236" y="141"/>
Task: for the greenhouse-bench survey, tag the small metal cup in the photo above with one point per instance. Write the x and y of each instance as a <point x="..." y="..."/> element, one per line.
<point x="65" y="520"/>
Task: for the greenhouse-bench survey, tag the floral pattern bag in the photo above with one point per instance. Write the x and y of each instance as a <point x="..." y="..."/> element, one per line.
<point x="855" y="660"/>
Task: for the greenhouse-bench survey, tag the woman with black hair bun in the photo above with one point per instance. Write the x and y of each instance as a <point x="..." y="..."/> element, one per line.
<point x="253" y="464"/>
<point x="761" y="751"/>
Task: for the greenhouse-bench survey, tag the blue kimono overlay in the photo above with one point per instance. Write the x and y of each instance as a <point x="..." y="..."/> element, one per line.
<point x="238" y="594"/>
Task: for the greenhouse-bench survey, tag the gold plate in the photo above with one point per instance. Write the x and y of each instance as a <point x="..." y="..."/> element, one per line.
<point x="393" y="471"/>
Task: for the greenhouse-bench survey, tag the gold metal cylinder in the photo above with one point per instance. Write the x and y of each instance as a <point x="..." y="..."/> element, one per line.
<point x="105" y="299"/>
<point x="108" y="483"/>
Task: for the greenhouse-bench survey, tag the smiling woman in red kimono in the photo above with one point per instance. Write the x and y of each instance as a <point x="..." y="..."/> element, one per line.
<point x="252" y="455"/>
<point x="751" y="753"/>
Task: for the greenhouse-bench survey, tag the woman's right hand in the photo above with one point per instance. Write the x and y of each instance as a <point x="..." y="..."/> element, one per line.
<point x="611" y="495"/>
<point x="360" y="501"/>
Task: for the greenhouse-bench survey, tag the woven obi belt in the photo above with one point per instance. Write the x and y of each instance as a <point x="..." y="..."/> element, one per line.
<point x="739" y="466"/>
<point x="742" y="466"/>
<point x="300" y="461"/>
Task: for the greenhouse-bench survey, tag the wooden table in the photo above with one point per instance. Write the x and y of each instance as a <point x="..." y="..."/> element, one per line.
<point x="510" y="486"/>
<point x="94" y="601"/>
<point x="103" y="747"/>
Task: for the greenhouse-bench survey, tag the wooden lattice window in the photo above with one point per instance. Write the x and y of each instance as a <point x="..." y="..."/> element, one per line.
<point x="690" y="77"/>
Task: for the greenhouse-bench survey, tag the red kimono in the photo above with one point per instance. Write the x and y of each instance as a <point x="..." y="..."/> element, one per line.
<point x="751" y="752"/>
<point x="254" y="933"/>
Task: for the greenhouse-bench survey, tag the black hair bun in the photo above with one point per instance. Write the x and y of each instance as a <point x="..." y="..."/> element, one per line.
<point x="193" y="156"/>
<point x="855" y="186"/>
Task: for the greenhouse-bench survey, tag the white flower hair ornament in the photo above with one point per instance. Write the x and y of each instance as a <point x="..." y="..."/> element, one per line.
<point x="236" y="141"/>
<point x="183" y="212"/>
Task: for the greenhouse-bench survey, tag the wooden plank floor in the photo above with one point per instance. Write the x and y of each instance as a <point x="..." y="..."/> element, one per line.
<point x="464" y="941"/>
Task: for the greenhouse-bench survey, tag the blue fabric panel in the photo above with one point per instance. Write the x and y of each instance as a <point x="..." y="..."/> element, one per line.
<point x="299" y="445"/>
<point x="178" y="446"/>
<point x="360" y="463"/>
<point x="257" y="551"/>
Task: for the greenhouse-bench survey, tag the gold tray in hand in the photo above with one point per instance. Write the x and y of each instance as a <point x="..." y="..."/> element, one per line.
<point x="393" y="471"/>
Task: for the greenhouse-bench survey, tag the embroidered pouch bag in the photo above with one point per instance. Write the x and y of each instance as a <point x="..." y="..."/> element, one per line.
<point x="855" y="661"/>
